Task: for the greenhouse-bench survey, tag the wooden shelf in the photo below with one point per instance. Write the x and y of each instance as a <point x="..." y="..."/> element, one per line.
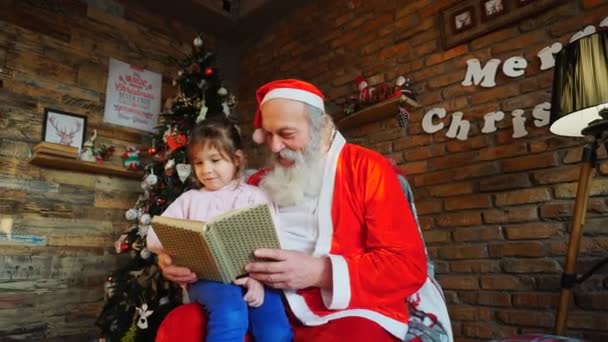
<point x="53" y="162"/>
<point x="373" y="113"/>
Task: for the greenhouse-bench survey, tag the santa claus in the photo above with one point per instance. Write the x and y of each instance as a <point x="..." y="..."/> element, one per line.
<point x="353" y="265"/>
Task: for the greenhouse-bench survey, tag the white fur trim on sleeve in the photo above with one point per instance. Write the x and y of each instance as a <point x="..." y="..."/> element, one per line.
<point x="338" y="297"/>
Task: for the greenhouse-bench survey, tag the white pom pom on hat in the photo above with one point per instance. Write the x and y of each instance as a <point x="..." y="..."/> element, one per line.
<point x="290" y="89"/>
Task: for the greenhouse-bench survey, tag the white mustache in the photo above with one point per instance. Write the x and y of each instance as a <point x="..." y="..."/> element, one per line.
<point x="290" y="154"/>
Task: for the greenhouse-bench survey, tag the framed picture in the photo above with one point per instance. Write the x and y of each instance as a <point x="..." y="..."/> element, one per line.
<point x="523" y="2"/>
<point x="469" y="19"/>
<point x="63" y="128"/>
<point x="492" y="8"/>
<point x="464" y="19"/>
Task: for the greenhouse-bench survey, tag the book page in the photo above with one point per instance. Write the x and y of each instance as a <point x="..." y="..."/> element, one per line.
<point x="242" y="232"/>
<point x="183" y="240"/>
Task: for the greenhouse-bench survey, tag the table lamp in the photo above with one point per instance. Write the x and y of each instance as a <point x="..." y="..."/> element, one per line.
<point x="579" y="108"/>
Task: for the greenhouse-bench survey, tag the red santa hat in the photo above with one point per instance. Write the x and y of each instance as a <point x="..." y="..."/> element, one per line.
<point x="290" y="89"/>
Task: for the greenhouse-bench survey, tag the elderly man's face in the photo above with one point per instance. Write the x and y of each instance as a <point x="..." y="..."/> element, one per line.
<point x="286" y="125"/>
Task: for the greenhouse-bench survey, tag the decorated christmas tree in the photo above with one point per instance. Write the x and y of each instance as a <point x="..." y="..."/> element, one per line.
<point x="137" y="297"/>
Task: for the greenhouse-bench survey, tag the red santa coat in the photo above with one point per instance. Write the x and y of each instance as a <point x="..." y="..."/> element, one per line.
<point x="369" y="233"/>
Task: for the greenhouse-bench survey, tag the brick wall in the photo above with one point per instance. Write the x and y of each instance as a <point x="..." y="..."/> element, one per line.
<point x="57" y="53"/>
<point x="494" y="209"/>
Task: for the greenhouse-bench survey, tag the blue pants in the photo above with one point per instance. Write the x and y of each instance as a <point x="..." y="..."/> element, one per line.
<point x="229" y="316"/>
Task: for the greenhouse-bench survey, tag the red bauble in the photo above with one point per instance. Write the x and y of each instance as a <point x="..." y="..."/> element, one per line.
<point x="176" y="141"/>
<point x="208" y="71"/>
<point x="152" y="150"/>
<point x="124" y="247"/>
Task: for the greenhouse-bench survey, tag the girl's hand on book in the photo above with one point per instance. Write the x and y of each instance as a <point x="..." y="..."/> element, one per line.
<point x="254" y="296"/>
<point x="180" y="275"/>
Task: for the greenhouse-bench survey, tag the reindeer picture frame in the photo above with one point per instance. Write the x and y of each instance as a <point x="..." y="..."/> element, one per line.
<point x="63" y="128"/>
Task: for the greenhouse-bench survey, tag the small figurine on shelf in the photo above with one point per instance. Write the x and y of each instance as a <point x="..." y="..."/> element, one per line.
<point x="365" y="92"/>
<point x="403" y="86"/>
<point x="131" y="158"/>
<point x="383" y="92"/>
<point x="351" y="104"/>
<point x="103" y="152"/>
<point x="87" y="153"/>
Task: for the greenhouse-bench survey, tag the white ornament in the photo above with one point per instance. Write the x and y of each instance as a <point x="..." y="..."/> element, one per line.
<point x="144" y="313"/>
<point x="226" y="108"/>
<point x="198" y="42"/>
<point x="222" y="91"/>
<point x="170" y="163"/>
<point x="167" y="133"/>
<point x="183" y="171"/>
<point x="86" y="153"/>
<point x="143" y="230"/>
<point x="400" y="81"/>
<point x="131" y="214"/>
<point x="145" y="253"/>
<point x="151" y="179"/>
<point x="145" y="219"/>
<point x="180" y="72"/>
<point x="202" y="114"/>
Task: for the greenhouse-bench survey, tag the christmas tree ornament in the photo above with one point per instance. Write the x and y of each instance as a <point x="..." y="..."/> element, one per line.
<point x="143" y="313"/>
<point x="152" y="151"/>
<point x="142" y="230"/>
<point x="222" y="91"/>
<point x="145" y="253"/>
<point x="202" y="114"/>
<point x="131" y="214"/>
<point x="198" y="42"/>
<point x="208" y="71"/>
<point x="151" y="179"/>
<point x="177" y="140"/>
<point x="167" y="133"/>
<point x="124" y="247"/>
<point x="109" y="288"/>
<point x="118" y="243"/>
<point x="183" y="171"/>
<point x="145" y="219"/>
<point x="169" y="167"/>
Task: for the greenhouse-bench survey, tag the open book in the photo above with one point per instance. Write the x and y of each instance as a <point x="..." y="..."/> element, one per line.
<point x="220" y="248"/>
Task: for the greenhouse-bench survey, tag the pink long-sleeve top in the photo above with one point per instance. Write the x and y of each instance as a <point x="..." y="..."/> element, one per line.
<point x="203" y="205"/>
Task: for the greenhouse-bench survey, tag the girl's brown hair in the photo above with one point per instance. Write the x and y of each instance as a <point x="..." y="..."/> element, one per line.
<point x="221" y="135"/>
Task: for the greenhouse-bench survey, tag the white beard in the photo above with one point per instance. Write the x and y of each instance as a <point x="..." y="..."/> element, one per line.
<point x="287" y="186"/>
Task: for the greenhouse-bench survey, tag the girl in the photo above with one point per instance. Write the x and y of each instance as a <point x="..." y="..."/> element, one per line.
<point x="216" y="154"/>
